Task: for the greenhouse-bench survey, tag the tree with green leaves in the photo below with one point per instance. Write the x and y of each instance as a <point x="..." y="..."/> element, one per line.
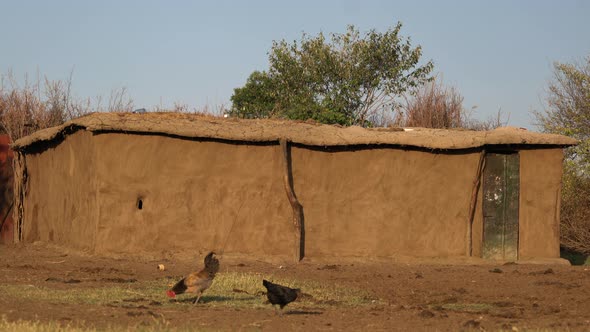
<point x="568" y="113"/>
<point x="568" y="110"/>
<point x="343" y="80"/>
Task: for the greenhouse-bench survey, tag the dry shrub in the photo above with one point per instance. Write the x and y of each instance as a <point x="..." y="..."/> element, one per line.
<point x="22" y="110"/>
<point x="38" y="105"/>
<point x="492" y="122"/>
<point x="434" y="105"/>
<point x="205" y="111"/>
<point x="575" y="212"/>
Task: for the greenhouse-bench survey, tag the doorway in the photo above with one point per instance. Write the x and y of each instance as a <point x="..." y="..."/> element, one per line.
<point x="501" y="188"/>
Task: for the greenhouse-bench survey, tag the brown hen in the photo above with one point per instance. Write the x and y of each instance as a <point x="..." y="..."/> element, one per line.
<point x="197" y="282"/>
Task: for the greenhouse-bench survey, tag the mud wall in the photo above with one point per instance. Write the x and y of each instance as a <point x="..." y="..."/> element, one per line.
<point x="384" y="202"/>
<point x="200" y="195"/>
<point x="540" y="197"/>
<point x="193" y="193"/>
<point x="61" y="202"/>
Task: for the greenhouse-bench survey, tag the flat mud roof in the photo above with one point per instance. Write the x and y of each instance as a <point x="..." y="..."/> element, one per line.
<point x="302" y="132"/>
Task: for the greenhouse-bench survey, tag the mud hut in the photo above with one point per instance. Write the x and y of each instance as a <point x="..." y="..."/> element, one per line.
<point x="164" y="182"/>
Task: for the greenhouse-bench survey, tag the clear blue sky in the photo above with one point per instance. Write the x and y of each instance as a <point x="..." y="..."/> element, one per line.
<point x="498" y="54"/>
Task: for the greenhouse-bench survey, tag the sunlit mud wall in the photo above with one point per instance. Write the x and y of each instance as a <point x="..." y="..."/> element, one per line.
<point x="126" y="193"/>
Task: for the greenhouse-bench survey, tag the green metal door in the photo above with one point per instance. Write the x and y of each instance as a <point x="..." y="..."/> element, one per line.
<point x="501" y="185"/>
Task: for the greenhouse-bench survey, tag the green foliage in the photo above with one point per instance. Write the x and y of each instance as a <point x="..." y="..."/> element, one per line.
<point x="568" y="113"/>
<point x="256" y="99"/>
<point x="343" y="80"/>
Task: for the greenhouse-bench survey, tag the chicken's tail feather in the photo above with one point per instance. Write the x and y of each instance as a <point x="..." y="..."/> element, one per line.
<point x="211" y="263"/>
<point x="179" y="288"/>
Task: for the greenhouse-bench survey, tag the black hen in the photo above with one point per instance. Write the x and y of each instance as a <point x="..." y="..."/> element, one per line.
<point x="281" y="295"/>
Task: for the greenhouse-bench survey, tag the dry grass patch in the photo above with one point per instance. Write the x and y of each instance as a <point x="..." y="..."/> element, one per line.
<point x="236" y="290"/>
<point x="53" y="326"/>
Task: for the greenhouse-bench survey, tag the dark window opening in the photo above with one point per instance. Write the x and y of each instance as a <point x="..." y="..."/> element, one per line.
<point x="139" y="203"/>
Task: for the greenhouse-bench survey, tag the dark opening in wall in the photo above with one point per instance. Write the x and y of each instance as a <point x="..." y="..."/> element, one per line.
<point x="139" y="203"/>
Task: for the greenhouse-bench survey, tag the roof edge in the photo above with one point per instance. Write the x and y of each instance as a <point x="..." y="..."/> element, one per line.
<point x="305" y="133"/>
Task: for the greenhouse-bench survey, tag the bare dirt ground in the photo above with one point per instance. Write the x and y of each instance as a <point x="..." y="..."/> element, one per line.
<point x="411" y="297"/>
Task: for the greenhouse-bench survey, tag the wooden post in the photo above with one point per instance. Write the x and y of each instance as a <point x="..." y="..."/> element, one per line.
<point x="20" y="185"/>
<point x="295" y="205"/>
<point x="473" y="202"/>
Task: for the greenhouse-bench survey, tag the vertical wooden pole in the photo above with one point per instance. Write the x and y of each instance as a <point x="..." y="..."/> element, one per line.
<point x="295" y="205"/>
<point x="473" y="202"/>
<point x="20" y="185"/>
